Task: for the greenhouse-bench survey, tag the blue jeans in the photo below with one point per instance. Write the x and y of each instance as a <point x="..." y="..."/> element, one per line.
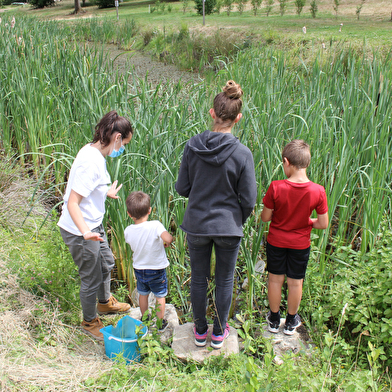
<point x="226" y="252"/>
<point x="154" y="281"/>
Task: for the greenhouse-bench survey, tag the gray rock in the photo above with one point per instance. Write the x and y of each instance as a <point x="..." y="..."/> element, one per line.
<point x="170" y="315"/>
<point x="259" y="269"/>
<point x="185" y="349"/>
<point x="287" y="343"/>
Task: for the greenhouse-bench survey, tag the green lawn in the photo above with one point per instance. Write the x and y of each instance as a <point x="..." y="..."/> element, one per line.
<point x="374" y="25"/>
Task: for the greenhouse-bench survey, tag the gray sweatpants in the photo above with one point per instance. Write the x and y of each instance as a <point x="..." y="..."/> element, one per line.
<point x="95" y="262"/>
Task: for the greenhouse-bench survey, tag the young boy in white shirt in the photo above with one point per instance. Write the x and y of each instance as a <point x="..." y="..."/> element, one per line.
<point x="148" y="240"/>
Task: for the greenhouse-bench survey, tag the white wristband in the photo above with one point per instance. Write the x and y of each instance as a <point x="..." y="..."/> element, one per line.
<point x="86" y="233"/>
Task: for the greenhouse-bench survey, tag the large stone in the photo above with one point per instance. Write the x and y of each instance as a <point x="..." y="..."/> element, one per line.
<point x="170" y="315"/>
<point x="185" y="349"/>
<point x="259" y="270"/>
<point x="287" y="343"/>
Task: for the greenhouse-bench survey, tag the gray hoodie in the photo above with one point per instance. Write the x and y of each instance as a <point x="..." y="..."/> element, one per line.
<point x="217" y="175"/>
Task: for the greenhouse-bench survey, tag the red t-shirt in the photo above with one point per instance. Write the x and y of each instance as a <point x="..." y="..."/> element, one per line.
<point x="293" y="205"/>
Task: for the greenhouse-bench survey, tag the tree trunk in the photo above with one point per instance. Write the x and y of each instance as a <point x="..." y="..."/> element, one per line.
<point x="78" y="8"/>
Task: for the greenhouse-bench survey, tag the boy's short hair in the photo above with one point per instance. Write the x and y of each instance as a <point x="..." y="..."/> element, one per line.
<point x="297" y="152"/>
<point x="138" y="204"/>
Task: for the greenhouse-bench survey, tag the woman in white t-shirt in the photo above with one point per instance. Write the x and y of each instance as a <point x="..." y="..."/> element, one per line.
<point x="81" y="219"/>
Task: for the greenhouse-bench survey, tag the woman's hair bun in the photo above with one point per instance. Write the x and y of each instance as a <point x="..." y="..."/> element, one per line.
<point x="233" y="90"/>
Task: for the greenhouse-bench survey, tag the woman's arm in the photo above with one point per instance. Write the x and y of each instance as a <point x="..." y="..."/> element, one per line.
<point x="183" y="185"/>
<point x="76" y="214"/>
<point x="247" y="188"/>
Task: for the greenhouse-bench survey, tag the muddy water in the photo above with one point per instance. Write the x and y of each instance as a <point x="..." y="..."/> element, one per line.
<point x="144" y="66"/>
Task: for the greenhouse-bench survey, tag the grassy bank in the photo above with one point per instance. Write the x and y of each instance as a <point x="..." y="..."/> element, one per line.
<point x="41" y="349"/>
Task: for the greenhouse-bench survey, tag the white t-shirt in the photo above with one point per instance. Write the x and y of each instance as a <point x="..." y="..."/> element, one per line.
<point x="89" y="178"/>
<point x="147" y="245"/>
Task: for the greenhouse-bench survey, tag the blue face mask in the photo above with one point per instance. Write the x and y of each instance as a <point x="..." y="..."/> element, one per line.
<point x="115" y="154"/>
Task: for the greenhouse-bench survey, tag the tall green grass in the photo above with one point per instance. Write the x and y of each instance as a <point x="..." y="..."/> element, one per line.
<point x="53" y="91"/>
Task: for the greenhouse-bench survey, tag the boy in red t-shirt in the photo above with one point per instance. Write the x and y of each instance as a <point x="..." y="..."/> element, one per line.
<point x="288" y="204"/>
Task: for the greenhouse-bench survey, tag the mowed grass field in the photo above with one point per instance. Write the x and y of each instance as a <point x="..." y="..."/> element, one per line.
<point x="374" y="25"/>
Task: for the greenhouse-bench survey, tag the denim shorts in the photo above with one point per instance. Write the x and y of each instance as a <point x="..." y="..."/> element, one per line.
<point x="151" y="281"/>
<point x="286" y="261"/>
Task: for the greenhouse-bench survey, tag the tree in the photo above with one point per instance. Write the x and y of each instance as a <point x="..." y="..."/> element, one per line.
<point x="229" y="6"/>
<point x="268" y="8"/>
<point x="336" y="6"/>
<point x="241" y="5"/>
<point x="184" y="5"/>
<point x="282" y="6"/>
<point x="78" y="7"/>
<point x="359" y="8"/>
<point x="313" y="8"/>
<point x="218" y="6"/>
<point x="256" y="4"/>
<point x="299" y="4"/>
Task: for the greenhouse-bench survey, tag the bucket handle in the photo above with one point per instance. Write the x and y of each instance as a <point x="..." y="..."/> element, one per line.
<point x="125" y="340"/>
<point x="122" y="340"/>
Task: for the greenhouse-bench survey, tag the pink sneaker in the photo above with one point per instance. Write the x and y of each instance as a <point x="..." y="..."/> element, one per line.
<point x="200" y="339"/>
<point x="217" y="340"/>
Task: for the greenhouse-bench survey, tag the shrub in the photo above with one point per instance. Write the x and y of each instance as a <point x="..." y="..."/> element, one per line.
<point x="104" y="3"/>
<point x="209" y="6"/>
<point x="46" y="268"/>
<point x="184" y="32"/>
<point x="41" y="3"/>
<point x="148" y="35"/>
<point x="363" y="281"/>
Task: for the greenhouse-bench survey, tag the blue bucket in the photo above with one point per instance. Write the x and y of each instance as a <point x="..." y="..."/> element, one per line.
<point x="122" y="339"/>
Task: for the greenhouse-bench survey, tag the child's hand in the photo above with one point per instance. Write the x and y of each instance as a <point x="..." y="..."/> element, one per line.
<point x="167" y="239"/>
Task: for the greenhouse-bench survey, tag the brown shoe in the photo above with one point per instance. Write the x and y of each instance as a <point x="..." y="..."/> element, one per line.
<point x="92" y="328"/>
<point x="113" y="306"/>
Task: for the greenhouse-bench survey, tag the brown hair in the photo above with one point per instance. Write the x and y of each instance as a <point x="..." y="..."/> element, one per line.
<point x="228" y="104"/>
<point x="297" y="152"/>
<point x="109" y="124"/>
<point x="138" y="204"/>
